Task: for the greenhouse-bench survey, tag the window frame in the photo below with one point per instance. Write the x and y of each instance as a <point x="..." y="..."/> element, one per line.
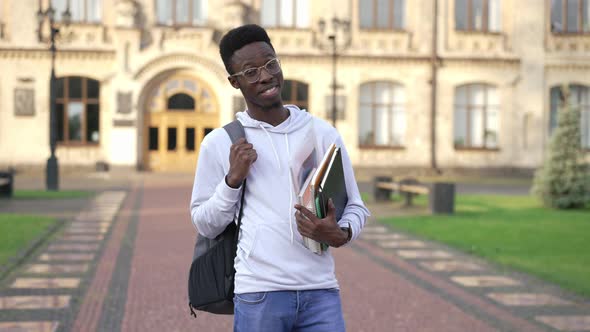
<point x="294" y="11"/>
<point x="302" y="104"/>
<point x="391" y="17"/>
<point x="468" y="145"/>
<point x="564" y="18"/>
<point x="173" y="16"/>
<point x="485" y="15"/>
<point x="85" y="20"/>
<point x="3" y="20"/>
<point x="183" y="94"/>
<point x="65" y="100"/>
<point x="374" y="105"/>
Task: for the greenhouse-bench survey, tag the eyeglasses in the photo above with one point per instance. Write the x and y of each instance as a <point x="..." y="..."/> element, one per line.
<point x="252" y="75"/>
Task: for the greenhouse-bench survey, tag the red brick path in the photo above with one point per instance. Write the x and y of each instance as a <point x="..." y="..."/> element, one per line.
<point x="91" y="307"/>
<point x="374" y="298"/>
<point x="157" y="295"/>
<point x="416" y="295"/>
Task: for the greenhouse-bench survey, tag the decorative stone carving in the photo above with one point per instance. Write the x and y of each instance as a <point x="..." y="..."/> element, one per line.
<point x="24" y="102"/>
<point x="235" y="13"/>
<point x="123" y="123"/>
<point x="124" y="102"/>
<point x="90" y="37"/>
<point x="179" y="60"/>
<point x="126" y="13"/>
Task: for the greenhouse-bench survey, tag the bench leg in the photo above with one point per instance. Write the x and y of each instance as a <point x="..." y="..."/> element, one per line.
<point x="408" y="199"/>
<point x="380" y="194"/>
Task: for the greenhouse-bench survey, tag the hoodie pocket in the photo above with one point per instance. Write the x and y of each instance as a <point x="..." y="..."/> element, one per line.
<point x="272" y="254"/>
<point x="247" y="245"/>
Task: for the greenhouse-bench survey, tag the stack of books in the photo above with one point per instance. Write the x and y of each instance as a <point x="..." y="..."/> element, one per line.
<point x="322" y="183"/>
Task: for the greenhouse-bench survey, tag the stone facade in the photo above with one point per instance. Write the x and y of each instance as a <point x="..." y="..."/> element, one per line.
<point x="131" y="54"/>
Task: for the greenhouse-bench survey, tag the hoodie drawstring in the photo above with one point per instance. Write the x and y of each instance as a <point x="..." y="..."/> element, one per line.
<point x="273" y="146"/>
<point x="290" y="189"/>
<point x="290" y="180"/>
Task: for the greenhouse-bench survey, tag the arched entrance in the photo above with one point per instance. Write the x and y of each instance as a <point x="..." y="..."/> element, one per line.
<point x="181" y="110"/>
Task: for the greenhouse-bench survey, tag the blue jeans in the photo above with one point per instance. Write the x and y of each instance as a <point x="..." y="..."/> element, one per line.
<point x="289" y="311"/>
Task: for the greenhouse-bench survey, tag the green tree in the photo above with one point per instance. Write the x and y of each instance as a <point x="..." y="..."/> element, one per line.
<point x="564" y="179"/>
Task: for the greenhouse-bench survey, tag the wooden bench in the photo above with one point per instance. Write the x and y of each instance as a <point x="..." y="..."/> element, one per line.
<point x="441" y="196"/>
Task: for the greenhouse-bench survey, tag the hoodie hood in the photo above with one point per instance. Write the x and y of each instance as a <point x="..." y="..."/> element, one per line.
<point x="297" y="119"/>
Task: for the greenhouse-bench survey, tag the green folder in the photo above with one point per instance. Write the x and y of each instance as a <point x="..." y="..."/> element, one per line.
<point x="332" y="186"/>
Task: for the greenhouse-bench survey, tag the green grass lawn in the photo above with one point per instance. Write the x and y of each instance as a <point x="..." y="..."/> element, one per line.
<point x="18" y="231"/>
<point x="42" y="194"/>
<point x="515" y="231"/>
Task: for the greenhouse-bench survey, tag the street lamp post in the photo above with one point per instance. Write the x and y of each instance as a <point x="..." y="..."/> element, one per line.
<point x="327" y="40"/>
<point x="52" y="168"/>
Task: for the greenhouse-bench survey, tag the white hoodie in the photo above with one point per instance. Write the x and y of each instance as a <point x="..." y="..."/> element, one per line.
<point x="271" y="255"/>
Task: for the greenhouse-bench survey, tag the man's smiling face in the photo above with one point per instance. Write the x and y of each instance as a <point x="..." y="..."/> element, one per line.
<point x="264" y="94"/>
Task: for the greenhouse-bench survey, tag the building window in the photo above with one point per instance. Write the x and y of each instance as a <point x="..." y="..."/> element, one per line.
<point x="478" y="15"/>
<point x="2" y="21"/>
<point x="579" y="96"/>
<point x="570" y="16"/>
<point x="296" y="93"/>
<point x="153" y="139"/>
<point x="285" y="13"/>
<point x="181" y="102"/>
<point x="382" y="115"/>
<point x="181" y="12"/>
<point x="83" y="11"/>
<point x="181" y="94"/>
<point x="190" y="139"/>
<point x="476" y="116"/>
<point x="382" y="14"/>
<point x="171" y="138"/>
<point x="77" y="105"/>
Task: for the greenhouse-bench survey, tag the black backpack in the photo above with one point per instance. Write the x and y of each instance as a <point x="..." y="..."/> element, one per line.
<point x="212" y="272"/>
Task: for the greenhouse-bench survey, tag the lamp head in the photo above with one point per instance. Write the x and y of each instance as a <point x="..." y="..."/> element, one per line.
<point x="40" y="16"/>
<point x="335" y="22"/>
<point x="346" y="26"/>
<point x="322" y="25"/>
<point x="50" y="13"/>
<point x="66" y="17"/>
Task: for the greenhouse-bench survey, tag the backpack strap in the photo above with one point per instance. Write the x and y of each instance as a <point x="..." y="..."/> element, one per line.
<point x="235" y="130"/>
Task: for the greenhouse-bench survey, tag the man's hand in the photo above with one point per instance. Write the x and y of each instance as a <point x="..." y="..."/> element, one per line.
<point x="241" y="156"/>
<point x="322" y="230"/>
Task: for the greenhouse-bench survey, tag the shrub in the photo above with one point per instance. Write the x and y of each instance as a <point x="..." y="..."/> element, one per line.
<point x="564" y="179"/>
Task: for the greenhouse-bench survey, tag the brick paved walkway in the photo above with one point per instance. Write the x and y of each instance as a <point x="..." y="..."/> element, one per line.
<point x="128" y="272"/>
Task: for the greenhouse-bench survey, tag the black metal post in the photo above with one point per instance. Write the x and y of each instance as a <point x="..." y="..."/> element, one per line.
<point x="341" y="27"/>
<point x="334" y="79"/>
<point x="434" y="63"/>
<point x="52" y="169"/>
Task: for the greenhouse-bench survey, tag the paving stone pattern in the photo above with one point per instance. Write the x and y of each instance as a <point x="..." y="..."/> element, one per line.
<point x="39" y="297"/>
<point x="544" y="305"/>
<point x="122" y="264"/>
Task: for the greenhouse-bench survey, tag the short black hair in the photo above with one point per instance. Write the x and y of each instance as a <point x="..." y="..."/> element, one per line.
<point x="239" y="37"/>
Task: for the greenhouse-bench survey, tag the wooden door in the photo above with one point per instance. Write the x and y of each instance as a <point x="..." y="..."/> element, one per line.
<point x="182" y="111"/>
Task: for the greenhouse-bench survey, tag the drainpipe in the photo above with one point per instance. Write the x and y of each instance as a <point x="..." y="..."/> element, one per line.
<point x="434" y="67"/>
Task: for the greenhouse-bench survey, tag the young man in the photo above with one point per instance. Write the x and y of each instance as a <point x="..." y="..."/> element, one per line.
<point x="280" y="285"/>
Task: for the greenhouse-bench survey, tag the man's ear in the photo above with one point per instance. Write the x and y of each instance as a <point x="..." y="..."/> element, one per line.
<point x="234" y="82"/>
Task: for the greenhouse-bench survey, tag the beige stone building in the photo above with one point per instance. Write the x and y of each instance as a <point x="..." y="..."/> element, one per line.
<point x="450" y="84"/>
